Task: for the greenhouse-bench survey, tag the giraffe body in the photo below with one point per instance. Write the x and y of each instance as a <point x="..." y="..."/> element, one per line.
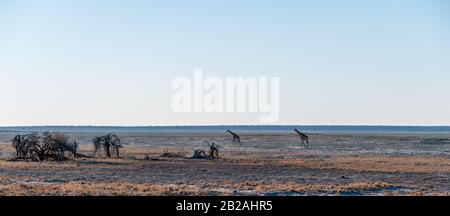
<point x="236" y="138"/>
<point x="303" y="139"/>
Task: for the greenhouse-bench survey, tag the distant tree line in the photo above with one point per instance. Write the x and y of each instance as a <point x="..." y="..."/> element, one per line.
<point x="58" y="146"/>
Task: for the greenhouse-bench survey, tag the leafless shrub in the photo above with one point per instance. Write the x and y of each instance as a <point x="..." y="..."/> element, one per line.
<point x="213" y="152"/>
<point x="108" y="142"/>
<point x="43" y="147"/>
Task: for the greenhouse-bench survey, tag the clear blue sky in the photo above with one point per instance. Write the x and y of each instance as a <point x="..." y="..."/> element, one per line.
<point x="98" y="62"/>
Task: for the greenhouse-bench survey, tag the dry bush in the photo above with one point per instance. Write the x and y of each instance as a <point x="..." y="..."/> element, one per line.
<point x="43" y="147"/>
<point x="108" y="142"/>
<point x="213" y="152"/>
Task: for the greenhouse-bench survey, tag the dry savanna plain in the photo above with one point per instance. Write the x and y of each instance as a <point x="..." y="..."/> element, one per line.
<point x="265" y="164"/>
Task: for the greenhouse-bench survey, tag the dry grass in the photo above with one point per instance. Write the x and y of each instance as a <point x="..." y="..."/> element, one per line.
<point x="97" y="189"/>
<point x="316" y="188"/>
<point x="319" y="175"/>
<point x="53" y="165"/>
<point x="145" y="189"/>
<point x="404" y="164"/>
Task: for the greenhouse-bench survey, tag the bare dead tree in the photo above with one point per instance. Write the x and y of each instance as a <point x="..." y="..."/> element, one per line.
<point x="108" y="142"/>
<point x="214" y="150"/>
<point x="73" y="148"/>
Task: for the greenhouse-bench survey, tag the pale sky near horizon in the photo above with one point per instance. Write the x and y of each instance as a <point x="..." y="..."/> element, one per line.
<point x="98" y="62"/>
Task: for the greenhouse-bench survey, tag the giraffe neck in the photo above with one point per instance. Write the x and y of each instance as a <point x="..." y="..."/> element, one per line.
<point x="300" y="133"/>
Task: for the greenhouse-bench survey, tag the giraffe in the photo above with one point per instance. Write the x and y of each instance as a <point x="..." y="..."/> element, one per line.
<point x="236" y="138"/>
<point x="303" y="138"/>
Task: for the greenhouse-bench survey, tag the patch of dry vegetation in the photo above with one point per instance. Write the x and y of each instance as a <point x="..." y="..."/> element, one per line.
<point x="75" y="164"/>
<point x="98" y="189"/>
<point x="90" y="176"/>
<point x="315" y="188"/>
<point x="404" y="164"/>
<point x="8" y="188"/>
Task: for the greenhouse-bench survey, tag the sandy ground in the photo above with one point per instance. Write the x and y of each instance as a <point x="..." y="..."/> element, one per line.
<point x="265" y="164"/>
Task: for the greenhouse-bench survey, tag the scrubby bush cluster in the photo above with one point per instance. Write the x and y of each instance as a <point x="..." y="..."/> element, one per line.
<point x="35" y="147"/>
<point x="57" y="146"/>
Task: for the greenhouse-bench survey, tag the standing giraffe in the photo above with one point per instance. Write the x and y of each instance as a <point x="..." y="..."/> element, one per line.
<point x="236" y="138"/>
<point x="303" y="138"/>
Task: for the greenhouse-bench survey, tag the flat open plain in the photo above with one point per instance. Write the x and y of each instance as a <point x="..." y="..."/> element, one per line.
<point x="265" y="164"/>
